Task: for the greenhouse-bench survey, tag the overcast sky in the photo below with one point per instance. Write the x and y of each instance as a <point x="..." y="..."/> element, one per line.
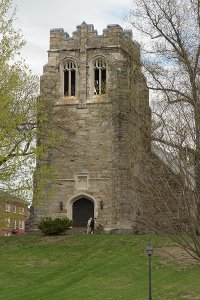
<point x="37" y="17"/>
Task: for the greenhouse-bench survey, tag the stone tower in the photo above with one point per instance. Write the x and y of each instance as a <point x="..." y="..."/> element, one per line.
<point x="93" y="81"/>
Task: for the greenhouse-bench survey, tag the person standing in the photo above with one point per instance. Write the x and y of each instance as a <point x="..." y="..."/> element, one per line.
<point x="92" y="226"/>
<point x="88" y="225"/>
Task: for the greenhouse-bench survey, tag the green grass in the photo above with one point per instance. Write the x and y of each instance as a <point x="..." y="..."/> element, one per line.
<point x="98" y="267"/>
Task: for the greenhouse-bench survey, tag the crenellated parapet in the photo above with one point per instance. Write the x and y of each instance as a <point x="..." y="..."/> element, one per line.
<point x="87" y="64"/>
<point x="113" y="35"/>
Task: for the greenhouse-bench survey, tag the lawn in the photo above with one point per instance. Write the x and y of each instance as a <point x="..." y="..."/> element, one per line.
<point x="98" y="267"/>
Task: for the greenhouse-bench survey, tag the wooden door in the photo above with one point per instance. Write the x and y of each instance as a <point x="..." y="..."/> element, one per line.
<point x="83" y="209"/>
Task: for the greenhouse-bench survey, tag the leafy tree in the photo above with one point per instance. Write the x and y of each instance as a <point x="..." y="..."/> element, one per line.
<point x="18" y="105"/>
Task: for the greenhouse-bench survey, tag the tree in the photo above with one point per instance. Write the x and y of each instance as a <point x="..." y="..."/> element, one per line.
<point x="171" y="62"/>
<point x="18" y="106"/>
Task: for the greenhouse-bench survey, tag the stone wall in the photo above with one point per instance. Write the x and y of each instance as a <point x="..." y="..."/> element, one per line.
<point x="93" y="161"/>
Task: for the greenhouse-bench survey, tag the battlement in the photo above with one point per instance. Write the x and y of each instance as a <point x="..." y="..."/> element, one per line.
<point x="113" y="34"/>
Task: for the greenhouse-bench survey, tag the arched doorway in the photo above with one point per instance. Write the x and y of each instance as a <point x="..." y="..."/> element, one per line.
<point x="83" y="209"/>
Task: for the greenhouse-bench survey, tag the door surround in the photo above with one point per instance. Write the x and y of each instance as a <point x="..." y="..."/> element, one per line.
<point x="70" y="202"/>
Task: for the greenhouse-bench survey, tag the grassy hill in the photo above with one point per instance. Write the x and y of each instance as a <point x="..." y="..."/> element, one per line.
<point x="98" y="267"/>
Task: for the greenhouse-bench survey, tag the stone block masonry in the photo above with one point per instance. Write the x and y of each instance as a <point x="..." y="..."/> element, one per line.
<point x="87" y="79"/>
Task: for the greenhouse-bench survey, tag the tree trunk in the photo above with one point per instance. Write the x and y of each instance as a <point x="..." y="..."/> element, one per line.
<point x="197" y="162"/>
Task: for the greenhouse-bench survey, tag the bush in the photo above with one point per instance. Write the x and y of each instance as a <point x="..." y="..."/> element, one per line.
<point x="51" y="226"/>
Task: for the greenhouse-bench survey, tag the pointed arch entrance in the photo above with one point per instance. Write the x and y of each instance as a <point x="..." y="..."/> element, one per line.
<point x="82" y="210"/>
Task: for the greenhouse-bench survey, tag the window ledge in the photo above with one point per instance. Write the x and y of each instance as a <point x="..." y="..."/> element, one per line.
<point x="70" y="97"/>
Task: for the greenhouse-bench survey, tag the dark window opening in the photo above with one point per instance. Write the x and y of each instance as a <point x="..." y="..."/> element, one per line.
<point x="99" y="77"/>
<point x="69" y="79"/>
<point x="103" y="81"/>
<point x="73" y="82"/>
<point x="66" y="83"/>
<point x="96" y="81"/>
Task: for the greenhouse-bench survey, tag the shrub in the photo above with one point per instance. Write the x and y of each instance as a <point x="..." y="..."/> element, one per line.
<point x="51" y="226"/>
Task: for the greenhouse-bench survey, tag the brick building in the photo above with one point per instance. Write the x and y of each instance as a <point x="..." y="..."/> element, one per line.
<point x="13" y="214"/>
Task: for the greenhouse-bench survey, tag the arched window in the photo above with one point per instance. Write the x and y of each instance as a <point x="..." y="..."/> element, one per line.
<point x="69" y="78"/>
<point x="99" y="67"/>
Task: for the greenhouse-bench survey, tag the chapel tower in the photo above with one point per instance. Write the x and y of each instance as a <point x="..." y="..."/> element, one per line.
<point x="93" y="82"/>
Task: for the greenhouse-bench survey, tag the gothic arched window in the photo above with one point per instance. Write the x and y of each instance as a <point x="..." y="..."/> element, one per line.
<point x="69" y="78"/>
<point x="99" y="67"/>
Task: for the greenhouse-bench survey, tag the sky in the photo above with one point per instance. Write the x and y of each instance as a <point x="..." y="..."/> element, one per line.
<point x="36" y="17"/>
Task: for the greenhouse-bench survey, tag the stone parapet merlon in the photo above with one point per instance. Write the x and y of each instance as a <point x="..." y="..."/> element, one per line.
<point x="113" y="35"/>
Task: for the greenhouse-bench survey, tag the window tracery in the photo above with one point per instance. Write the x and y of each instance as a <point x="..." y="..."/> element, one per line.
<point x="99" y="66"/>
<point x="69" y="68"/>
